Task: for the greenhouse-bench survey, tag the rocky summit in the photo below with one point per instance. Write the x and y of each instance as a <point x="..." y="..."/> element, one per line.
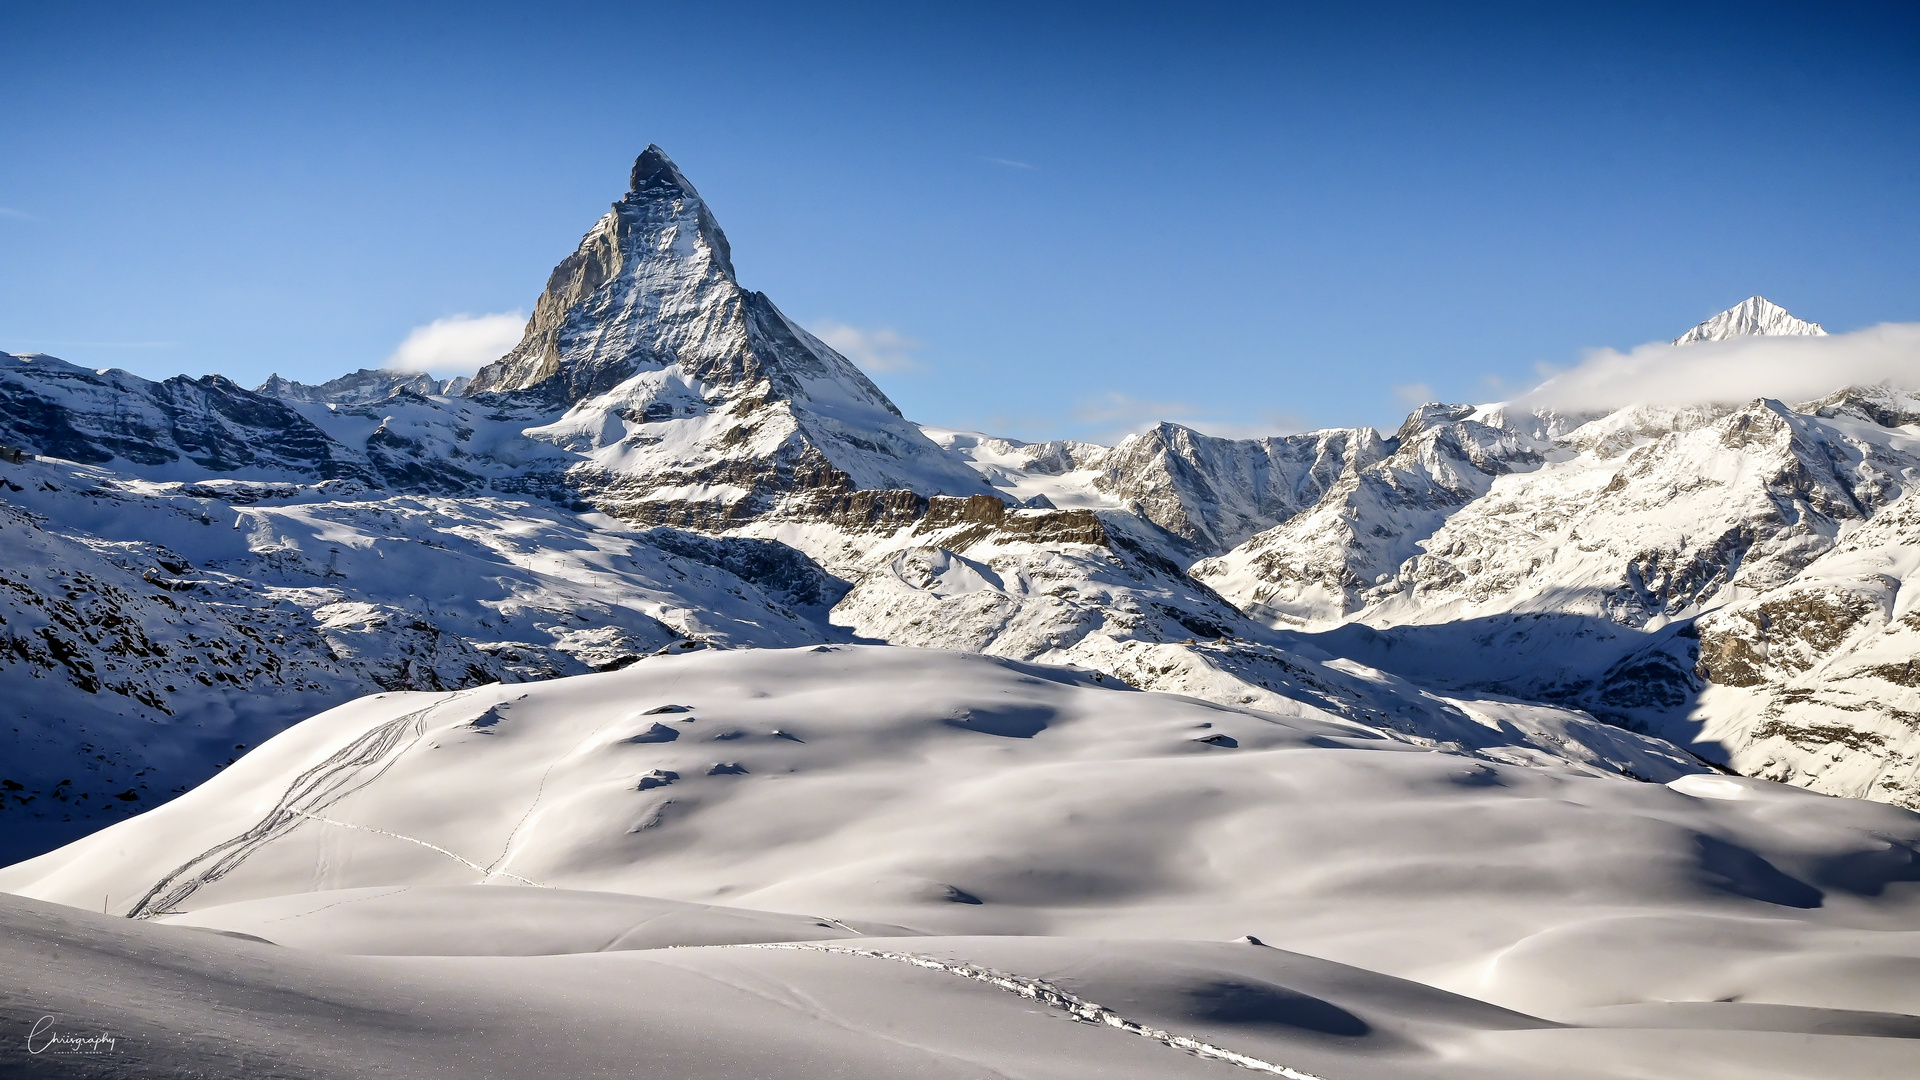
<point x="667" y="462"/>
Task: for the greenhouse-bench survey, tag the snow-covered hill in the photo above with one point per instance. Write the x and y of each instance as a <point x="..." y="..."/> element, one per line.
<point x="949" y="849"/>
<point x="151" y="631"/>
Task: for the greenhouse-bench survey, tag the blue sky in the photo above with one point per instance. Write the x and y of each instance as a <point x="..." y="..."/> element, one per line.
<point x="1070" y="219"/>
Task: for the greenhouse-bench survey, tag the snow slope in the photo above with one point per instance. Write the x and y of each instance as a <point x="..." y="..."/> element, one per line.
<point x="1422" y="912"/>
<point x="149" y="632"/>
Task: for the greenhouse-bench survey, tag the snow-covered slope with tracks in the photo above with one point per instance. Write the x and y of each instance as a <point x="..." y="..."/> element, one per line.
<point x="796" y="848"/>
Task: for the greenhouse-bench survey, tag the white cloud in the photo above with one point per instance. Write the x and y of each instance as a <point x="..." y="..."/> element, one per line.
<point x="1413" y="395"/>
<point x="1792" y="369"/>
<point x="10" y="212"/>
<point x="458" y="344"/>
<point x="1114" y="416"/>
<point x="872" y="350"/>
<point x="1010" y="163"/>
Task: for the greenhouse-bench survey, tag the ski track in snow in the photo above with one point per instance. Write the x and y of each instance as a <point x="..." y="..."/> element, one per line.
<point x="484" y="872"/>
<point x="318" y="787"/>
<point x="1052" y="996"/>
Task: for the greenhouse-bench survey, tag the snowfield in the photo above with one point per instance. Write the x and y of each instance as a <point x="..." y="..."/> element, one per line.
<point x="965" y="854"/>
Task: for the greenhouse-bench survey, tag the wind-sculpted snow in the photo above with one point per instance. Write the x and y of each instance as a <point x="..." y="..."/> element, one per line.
<point x="1252" y="888"/>
<point x="1115" y="603"/>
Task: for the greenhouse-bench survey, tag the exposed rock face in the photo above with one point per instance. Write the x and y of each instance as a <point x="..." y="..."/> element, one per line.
<point x="619" y="302"/>
<point x="1215" y="493"/>
<point x="1756" y="315"/>
<point x="1208" y="492"/>
<point x="1817" y="682"/>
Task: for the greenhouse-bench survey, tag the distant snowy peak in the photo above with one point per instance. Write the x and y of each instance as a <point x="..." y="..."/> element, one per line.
<point x="362" y="387"/>
<point x="1756" y="316"/>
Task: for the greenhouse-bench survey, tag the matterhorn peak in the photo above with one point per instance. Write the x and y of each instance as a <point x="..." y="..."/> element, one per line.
<point x="604" y="313"/>
<point x="698" y="385"/>
<point x="1756" y="316"/>
<point x="653" y="170"/>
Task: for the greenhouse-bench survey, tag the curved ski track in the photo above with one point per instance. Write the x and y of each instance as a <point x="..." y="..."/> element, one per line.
<point x="344" y="772"/>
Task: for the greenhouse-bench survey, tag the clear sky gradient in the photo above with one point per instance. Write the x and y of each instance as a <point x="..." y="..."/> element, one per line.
<point x="1070" y="219"/>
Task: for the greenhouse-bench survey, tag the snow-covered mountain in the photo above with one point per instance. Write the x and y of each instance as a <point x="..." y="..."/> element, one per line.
<point x="1580" y="559"/>
<point x="665" y="458"/>
<point x="1754" y="315"/>
<point x="363" y="387"/>
<point x="207" y="427"/>
<point x="668" y="627"/>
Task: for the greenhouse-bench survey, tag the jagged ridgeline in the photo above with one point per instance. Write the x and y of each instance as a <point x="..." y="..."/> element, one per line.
<point x="666" y="458"/>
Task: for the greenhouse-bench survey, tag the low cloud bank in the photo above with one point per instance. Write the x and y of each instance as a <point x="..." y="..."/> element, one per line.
<point x="1793" y="369"/>
<point x="458" y="344"/>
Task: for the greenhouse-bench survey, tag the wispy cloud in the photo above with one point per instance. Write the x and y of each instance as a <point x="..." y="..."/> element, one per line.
<point x="1112" y="416"/>
<point x="1789" y="368"/>
<point x="458" y="344"/>
<point x="1413" y="395"/>
<point x="20" y="215"/>
<point x="1008" y="162"/>
<point x="872" y="350"/>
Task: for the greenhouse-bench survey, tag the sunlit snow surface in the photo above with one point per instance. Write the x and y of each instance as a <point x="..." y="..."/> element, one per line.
<point x="577" y="877"/>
